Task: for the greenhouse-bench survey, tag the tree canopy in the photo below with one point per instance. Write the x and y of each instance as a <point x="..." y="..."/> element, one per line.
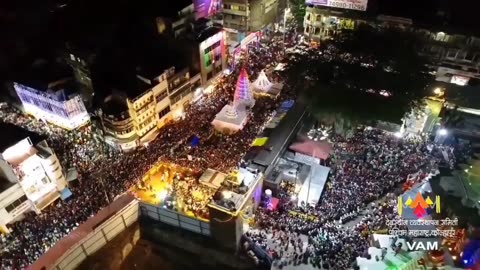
<point x="362" y="75"/>
<point x="298" y="10"/>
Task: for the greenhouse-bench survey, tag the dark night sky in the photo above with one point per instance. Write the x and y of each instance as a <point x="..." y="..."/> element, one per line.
<point x="31" y="27"/>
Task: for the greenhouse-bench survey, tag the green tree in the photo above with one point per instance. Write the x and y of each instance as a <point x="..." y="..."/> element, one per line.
<point x="298" y="10"/>
<point x="362" y="76"/>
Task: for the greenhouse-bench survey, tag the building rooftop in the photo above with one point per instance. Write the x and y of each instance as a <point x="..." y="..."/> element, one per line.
<point x="463" y="96"/>
<point x="206" y="33"/>
<point x="235" y="191"/>
<point x="5" y="184"/>
<point x="134" y="87"/>
<point x="12" y="134"/>
<point x="114" y="105"/>
<point x="280" y="135"/>
<point x="153" y="59"/>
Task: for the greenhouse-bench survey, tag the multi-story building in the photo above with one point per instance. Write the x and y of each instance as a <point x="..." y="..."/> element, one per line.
<point x="52" y="97"/>
<point x="81" y="64"/>
<point x="243" y="16"/>
<point x="456" y="57"/>
<point x="117" y="123"/>
<point x="321" y="23"/>
<point x="212" y="52"/>
<point x="31" y="176"/>
<point x="174" y="19"/>
<point x="133" y="117"/>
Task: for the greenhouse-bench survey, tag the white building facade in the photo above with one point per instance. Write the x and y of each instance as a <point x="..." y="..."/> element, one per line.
<point x="147" y="113"/>
<point x="35" y="179"/>
<point x="53" y="106"/>
<point x="213" y="55"/>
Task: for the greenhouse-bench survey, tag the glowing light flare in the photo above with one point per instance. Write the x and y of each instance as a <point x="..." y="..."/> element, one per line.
<point x="442" y="132"/>
<point x="162" y="195"/>
<point x="226" y="194"/>
<point x="385" y="93"/>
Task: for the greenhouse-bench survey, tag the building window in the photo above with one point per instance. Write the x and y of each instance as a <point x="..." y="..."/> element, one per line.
<point x="164" y="112"/>
<point x="161" y="96"/>
<point x="16" y="203"/>
<point x="242" y="8"/>
<point x="196" y="84"/>
<point x="218" y="69"/>
<point x="208" y="60"/>
<point x="452" y="54"/>
<point x="209" y="75"/>
<point x="225" y="6"/>
<point x="469" y="56"/>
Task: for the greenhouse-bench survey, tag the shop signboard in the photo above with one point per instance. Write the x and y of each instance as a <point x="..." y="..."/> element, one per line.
<point x="206" y="8"/>
<point x="346" y="4"/>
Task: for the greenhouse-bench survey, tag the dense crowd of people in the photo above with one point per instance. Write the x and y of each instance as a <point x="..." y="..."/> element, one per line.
<point x="366" y="168"/>
<point x="103" y="170"/>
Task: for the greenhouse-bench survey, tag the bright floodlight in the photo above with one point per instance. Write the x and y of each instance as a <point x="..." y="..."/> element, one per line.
<point x="268" y="192"/>
<point x="437" y="91"/>
<point x="466" y="170"/>
<point x="226" y="194"/>
<point x="442" y="132"/>
<point x="162" y="195"/>
<point x="398" y="134"/>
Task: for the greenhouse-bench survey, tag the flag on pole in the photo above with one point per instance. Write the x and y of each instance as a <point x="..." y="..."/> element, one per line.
<point x="260" y="141"/>
<point x="195" y="141"/>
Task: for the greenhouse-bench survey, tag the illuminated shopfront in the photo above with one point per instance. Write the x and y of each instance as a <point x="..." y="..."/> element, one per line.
<point x="57" y="108"/>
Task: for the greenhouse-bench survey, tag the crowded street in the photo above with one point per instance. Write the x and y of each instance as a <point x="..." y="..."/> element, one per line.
<point x="81" y="149"/>
<point x="365" y="168"/>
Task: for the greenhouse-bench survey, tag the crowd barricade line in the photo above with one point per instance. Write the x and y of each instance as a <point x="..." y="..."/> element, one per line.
<point x="90" y="236"/>
<point x="174" y="218"/>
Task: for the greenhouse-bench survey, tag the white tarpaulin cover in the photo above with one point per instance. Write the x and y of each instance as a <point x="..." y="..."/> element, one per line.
<point x="312" y="188"/>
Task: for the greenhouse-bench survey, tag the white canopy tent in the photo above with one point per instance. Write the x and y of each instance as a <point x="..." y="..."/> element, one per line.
<point x="262" y="83"/>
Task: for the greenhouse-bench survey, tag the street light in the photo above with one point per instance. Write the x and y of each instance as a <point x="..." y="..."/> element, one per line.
<point x="439" y="91"/>
<point x="442" y="132"/>
<point x="162" y="195"/>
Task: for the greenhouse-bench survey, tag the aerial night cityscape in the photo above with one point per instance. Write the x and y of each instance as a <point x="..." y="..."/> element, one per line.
<point x="239" y="134"/>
